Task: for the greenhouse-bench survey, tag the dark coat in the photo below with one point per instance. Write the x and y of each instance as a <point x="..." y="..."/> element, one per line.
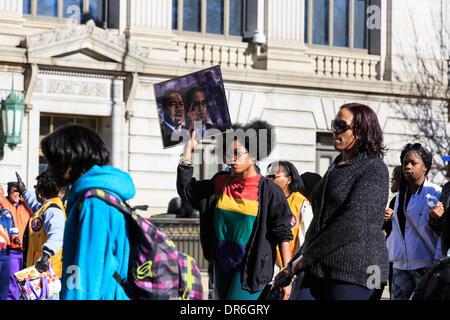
<point x="272" y="225"/>
<point x="445" y="227"/>
<point x="345" y="240"/>
<point x="166" y="133"/>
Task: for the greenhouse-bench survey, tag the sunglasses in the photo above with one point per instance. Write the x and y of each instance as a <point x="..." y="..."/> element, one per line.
<point x="274" y="176"/>
<point x="340" y="126"/>
<point x="198" y="104"/>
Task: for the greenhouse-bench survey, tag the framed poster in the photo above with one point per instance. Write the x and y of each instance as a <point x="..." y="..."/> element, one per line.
<point x="193" y="102"/>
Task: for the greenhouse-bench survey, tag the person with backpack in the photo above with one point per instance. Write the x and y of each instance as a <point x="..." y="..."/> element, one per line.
<point x="45" y="231"/>
<point x="96" y="243"/>
<point x="412" y="244"/>
<point x="243" y="215"/>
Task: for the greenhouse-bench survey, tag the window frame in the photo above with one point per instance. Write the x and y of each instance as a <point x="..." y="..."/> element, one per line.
<point x="60" y="19"/>
<point x="324" y="149"/>
<point x="75" y="118"/>
<point x="226" y="23"/>
<point x="351" y="24"/>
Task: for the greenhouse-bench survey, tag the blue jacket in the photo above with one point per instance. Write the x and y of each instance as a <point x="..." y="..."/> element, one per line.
<point x="7" y="222"/>
<point x="96" y="241"/>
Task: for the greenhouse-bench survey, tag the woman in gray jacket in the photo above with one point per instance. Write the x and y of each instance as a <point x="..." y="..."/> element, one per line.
<point x="344" y="255"/>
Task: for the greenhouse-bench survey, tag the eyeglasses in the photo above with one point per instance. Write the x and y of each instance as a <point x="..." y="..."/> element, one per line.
<point x="340" y="126"/>
<point x="235" y="153"/>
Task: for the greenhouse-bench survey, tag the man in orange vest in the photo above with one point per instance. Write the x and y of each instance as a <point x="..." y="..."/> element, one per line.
<point x="15" y="204"/>
<point x="45" y="231"/>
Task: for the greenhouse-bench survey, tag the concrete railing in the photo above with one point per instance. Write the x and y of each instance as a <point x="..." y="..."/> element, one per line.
<point x="340" y="65"/>
<point x="229" y="55"/>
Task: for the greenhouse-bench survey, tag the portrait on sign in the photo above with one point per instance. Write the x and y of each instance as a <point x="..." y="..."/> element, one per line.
<point x="193" y="102"/>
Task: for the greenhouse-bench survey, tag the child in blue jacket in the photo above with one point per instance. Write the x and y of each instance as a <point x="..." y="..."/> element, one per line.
<point x="96" y="243"/>
<point x="6" y="226"/>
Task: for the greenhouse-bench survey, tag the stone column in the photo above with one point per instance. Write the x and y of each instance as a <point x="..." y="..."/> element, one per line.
<point x="11" y="11"/>
<point x="150" y="24"/>
<point x="285" y="48"/>
<point x="119" y="127"/>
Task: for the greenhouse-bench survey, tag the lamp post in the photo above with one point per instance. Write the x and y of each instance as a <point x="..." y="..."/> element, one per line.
<point x="12" y="111"/>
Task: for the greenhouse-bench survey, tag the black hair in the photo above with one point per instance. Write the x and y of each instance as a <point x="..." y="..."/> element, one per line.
<point x="258" y="137"/>
<point x="165" y="99"/>
<point x="190" y="93"/>
<point x="47" y="185"/>
<point x="427" y="159"/>
<point x="397" y="173"/>
<point x="290" y="170"/>
<point x="11" y="185"/>
<point x="75" y="146"/>
<point x="366" y="126"/>
<point x="421" y="151"/>
<point x="310" y="179"/>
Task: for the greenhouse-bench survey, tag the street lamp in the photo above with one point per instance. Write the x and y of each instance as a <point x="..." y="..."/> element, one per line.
<point x="13" y="108"/>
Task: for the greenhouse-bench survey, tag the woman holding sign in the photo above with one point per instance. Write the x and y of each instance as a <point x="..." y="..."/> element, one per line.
<point x="243" y="215"/>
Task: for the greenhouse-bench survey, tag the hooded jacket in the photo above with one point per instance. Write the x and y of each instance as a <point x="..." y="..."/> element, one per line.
<point x="96" y="243"/>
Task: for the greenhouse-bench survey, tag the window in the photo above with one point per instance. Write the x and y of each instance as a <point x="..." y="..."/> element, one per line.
<point x="49" y="123"/>
<point x="220" y="17"/>
<point x="325" y="152"/>
<point x="79" y="10"/>
<point x="336" y="23"/>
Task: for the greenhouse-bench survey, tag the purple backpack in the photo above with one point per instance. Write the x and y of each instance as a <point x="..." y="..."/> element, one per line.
<point x="156" y="269"/>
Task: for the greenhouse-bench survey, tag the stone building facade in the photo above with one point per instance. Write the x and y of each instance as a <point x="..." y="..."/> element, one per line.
<point x="290" y="62"/>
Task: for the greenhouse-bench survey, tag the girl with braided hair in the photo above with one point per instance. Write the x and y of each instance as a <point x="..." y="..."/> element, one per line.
<point x="412" y="245"/>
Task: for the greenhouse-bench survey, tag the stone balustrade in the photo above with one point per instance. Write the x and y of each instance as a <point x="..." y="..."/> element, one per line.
<point x="362" y="67"/>
<point x="202" y="53"/>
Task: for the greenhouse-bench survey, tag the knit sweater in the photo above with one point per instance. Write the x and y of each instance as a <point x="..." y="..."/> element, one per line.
<point x="345" y="240"/>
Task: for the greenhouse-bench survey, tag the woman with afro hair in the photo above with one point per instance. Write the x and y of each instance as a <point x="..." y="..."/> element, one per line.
<point x="243" y="215"/>
<point x="412" y="244"/>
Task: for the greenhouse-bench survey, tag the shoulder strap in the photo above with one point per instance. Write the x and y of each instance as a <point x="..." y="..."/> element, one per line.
<point x="107" y="197"/>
